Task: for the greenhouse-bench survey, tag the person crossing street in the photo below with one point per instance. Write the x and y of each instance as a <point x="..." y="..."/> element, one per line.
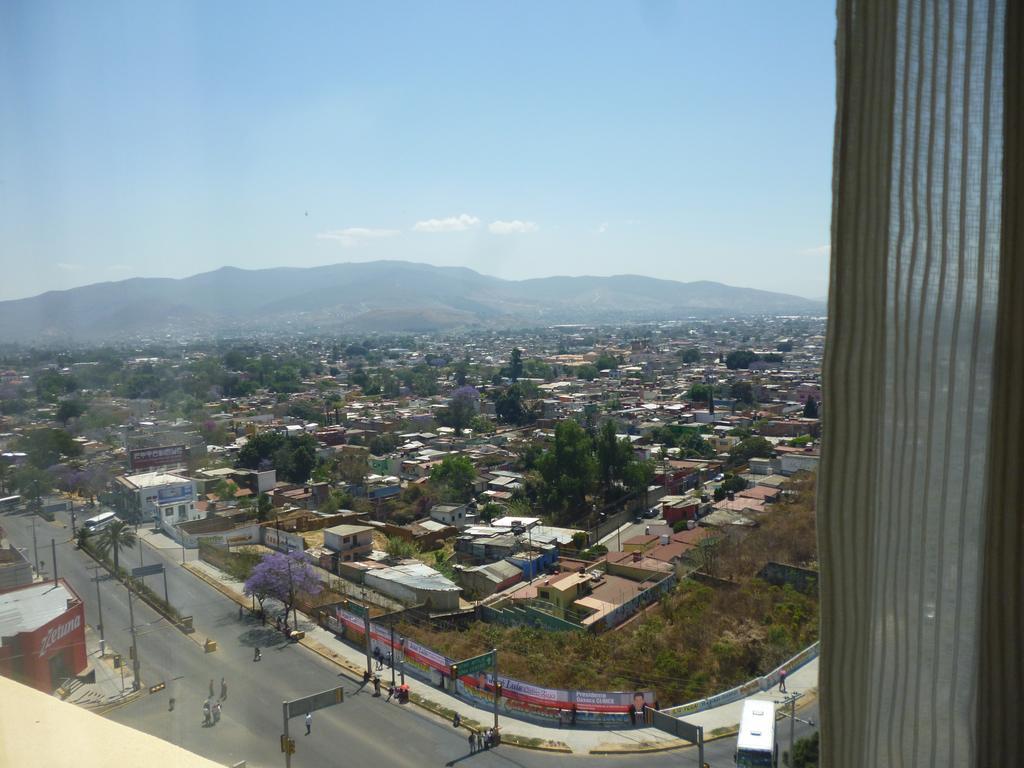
<point x="309" y="722"/>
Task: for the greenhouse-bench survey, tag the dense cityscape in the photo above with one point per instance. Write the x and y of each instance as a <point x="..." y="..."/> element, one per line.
<point x="618" y="519"/>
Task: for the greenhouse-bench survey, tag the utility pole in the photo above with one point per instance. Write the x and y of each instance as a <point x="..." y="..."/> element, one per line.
<point x="53" y="549"/>
<point x="497" y="688"/>
<point x="287" y="749"/>
<point x="135" y="646"/>
<point x="792" y="725"/>
<point x="394" y="653"/>
<point x="99" y="605"/>
<point x="35" y="547"/>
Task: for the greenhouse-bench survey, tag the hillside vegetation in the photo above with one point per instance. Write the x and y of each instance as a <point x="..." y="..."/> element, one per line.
<point x="697" y="641"/>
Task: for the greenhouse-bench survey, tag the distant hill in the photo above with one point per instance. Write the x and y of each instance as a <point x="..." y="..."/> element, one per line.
<point x="389" y="296"/>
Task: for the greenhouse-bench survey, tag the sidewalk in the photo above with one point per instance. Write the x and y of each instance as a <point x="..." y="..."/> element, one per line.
<point x="112" y="687"/>
<point x="528" y="734"/>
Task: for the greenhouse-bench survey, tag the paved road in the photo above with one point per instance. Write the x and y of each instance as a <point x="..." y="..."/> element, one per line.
<point x="363" y="730"/>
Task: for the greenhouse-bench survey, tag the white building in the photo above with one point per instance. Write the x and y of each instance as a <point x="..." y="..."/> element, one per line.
<point x="164" y="497"/>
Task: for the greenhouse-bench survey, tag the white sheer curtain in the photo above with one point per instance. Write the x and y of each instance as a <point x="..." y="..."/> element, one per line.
<point x="920" y="492"/>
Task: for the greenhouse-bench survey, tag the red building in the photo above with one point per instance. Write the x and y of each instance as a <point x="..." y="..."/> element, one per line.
<point x="42" y="634"/>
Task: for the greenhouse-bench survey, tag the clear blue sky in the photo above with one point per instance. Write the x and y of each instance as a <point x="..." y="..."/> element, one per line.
<point x="683" y="140"/>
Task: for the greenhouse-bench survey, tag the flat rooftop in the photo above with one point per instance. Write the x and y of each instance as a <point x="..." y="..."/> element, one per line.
<point x="153" y="479"/>
<point x="28" y="608"/>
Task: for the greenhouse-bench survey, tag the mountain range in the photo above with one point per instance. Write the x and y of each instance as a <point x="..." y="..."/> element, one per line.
<point x="386" y="296"/>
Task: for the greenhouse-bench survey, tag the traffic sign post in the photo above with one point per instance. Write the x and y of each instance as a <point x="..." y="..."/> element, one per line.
<point x="476" y="665"/>
<point x="677" y="727"/>
<point x="304" y="706"/>
<point x="152" y="570"/>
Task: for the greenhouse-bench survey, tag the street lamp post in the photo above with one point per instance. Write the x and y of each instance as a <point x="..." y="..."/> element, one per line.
<point x="35" y="546"/>
<point x="135" y="646"/>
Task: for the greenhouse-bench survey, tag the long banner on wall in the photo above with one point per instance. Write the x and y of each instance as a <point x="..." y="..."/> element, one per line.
<point x="516" y="694"/>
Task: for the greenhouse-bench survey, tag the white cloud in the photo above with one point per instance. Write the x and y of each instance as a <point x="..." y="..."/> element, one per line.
<point x="67" y="267"/>
<point x="353" y="236"/>
<point x="602" y="227"/>
<point x="514" y="227"/>
<point x="451" y="224"/>
<point x="818" y="250"/>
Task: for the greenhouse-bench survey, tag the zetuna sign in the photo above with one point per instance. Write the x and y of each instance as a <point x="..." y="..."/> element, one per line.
<point x="59" y="632"/>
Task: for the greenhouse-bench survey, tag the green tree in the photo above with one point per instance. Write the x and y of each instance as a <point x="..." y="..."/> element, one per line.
<point x="264" y="506"/>
<point x="292" y="456"/>
<point x="47" y="446"/>
<point x="811" y="408"/>
<point x="742" y="391"/>
<point x="606" y="361"/>
<point x="510" y="408"/>
<point x="116" y="535"/>
<point x="460" y="410"/>
<point x="515" y="364"/>
<point x="6" y="474"/>
<point x="739" y="358"/>
<point x="226" y="490"/>
<point x="638" y="476"/>
<point x="33" y="484"/>
<point x="568" y="470"/>
<point x="489" y="511"/>
<point x="805" y="752"/>
<point x="750" y="448"/>
<point x="305" y="411"/>
<point x="457" y="474"/>
<point x="613" y="456"/>
<point x="52" y="385"/>
<point x="699" y="393"/>
<point x="690" y="355"/>
<point x="69" y="409"/>
<point x="587" y="372"/>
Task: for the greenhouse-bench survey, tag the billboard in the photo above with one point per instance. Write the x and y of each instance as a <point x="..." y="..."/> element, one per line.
<point x="174" y="494"/>
<point x="141" y="459"/>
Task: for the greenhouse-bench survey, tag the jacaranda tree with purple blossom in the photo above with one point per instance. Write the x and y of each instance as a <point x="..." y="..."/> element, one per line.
<point x="283" y="577"/>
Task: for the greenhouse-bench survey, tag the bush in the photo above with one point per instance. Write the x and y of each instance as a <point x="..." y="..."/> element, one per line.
<point x="401" y="548"/>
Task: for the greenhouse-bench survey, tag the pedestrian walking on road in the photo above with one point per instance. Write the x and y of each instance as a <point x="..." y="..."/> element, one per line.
<point x="223" y="689"/>
<point x="239" y="612"/>
<point x="376" y="685"/>
<point x="206" y="713"/>
<point x="391" y="692"/>
<point x="309" y="722"/>
<point x="216" y="712"/>
<point x="256" y="654"/>
<point x="782" y="681"/>
<point x="472" y="742"/>
<point x="211" y="687"/>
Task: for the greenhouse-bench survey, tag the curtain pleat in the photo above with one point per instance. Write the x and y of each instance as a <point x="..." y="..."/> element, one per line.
<point x="1000" y="713"/>
<point x="911" y="390"/>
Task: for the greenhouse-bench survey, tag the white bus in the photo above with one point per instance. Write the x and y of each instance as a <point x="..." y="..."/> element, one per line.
<point x="755" y="746"/>
<point x="9" y="502"/>
<point x="99" y="522"/>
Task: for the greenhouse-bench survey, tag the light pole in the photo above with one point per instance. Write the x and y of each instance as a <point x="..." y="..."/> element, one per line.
<point x="135" y="646"/>
<point x="35" y="546"/>
<point x="99" y="605"/>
